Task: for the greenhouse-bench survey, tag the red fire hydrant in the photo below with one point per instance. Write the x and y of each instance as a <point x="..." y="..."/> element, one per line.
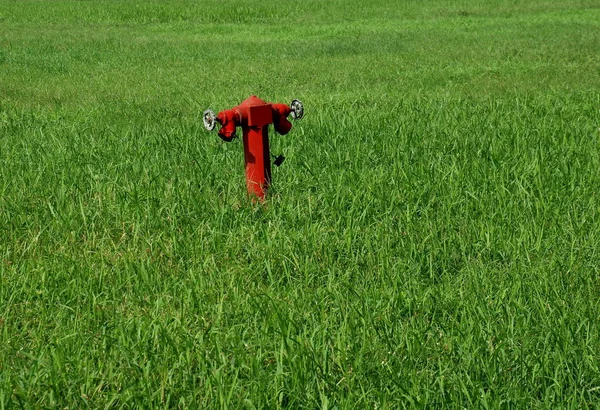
<point x="254" y="116"/>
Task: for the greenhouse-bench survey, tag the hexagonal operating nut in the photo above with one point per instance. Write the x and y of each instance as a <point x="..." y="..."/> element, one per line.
<point x="210" y="119"/>
<point x="297" y="110"/>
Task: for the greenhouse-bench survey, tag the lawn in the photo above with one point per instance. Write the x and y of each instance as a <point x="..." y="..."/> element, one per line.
<point x="431" y="241"/>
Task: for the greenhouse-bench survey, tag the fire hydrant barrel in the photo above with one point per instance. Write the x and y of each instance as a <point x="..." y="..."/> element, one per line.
<point x="257" y="160"/>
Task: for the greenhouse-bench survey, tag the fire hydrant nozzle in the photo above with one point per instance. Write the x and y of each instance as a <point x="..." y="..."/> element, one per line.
<point x="254" y="116"/>
<point x="209" y="119"/>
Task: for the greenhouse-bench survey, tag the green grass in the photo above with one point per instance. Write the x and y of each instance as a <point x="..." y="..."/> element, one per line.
<point x="431" y="241"/>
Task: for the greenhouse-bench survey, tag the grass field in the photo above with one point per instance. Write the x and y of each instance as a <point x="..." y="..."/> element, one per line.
<point x="432" y="240"/>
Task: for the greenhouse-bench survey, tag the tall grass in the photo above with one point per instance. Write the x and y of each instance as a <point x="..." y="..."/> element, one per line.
<point x="431" y="240"/>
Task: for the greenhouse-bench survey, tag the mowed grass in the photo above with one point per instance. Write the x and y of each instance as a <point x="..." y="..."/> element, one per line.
<point x="432" y="240"/>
